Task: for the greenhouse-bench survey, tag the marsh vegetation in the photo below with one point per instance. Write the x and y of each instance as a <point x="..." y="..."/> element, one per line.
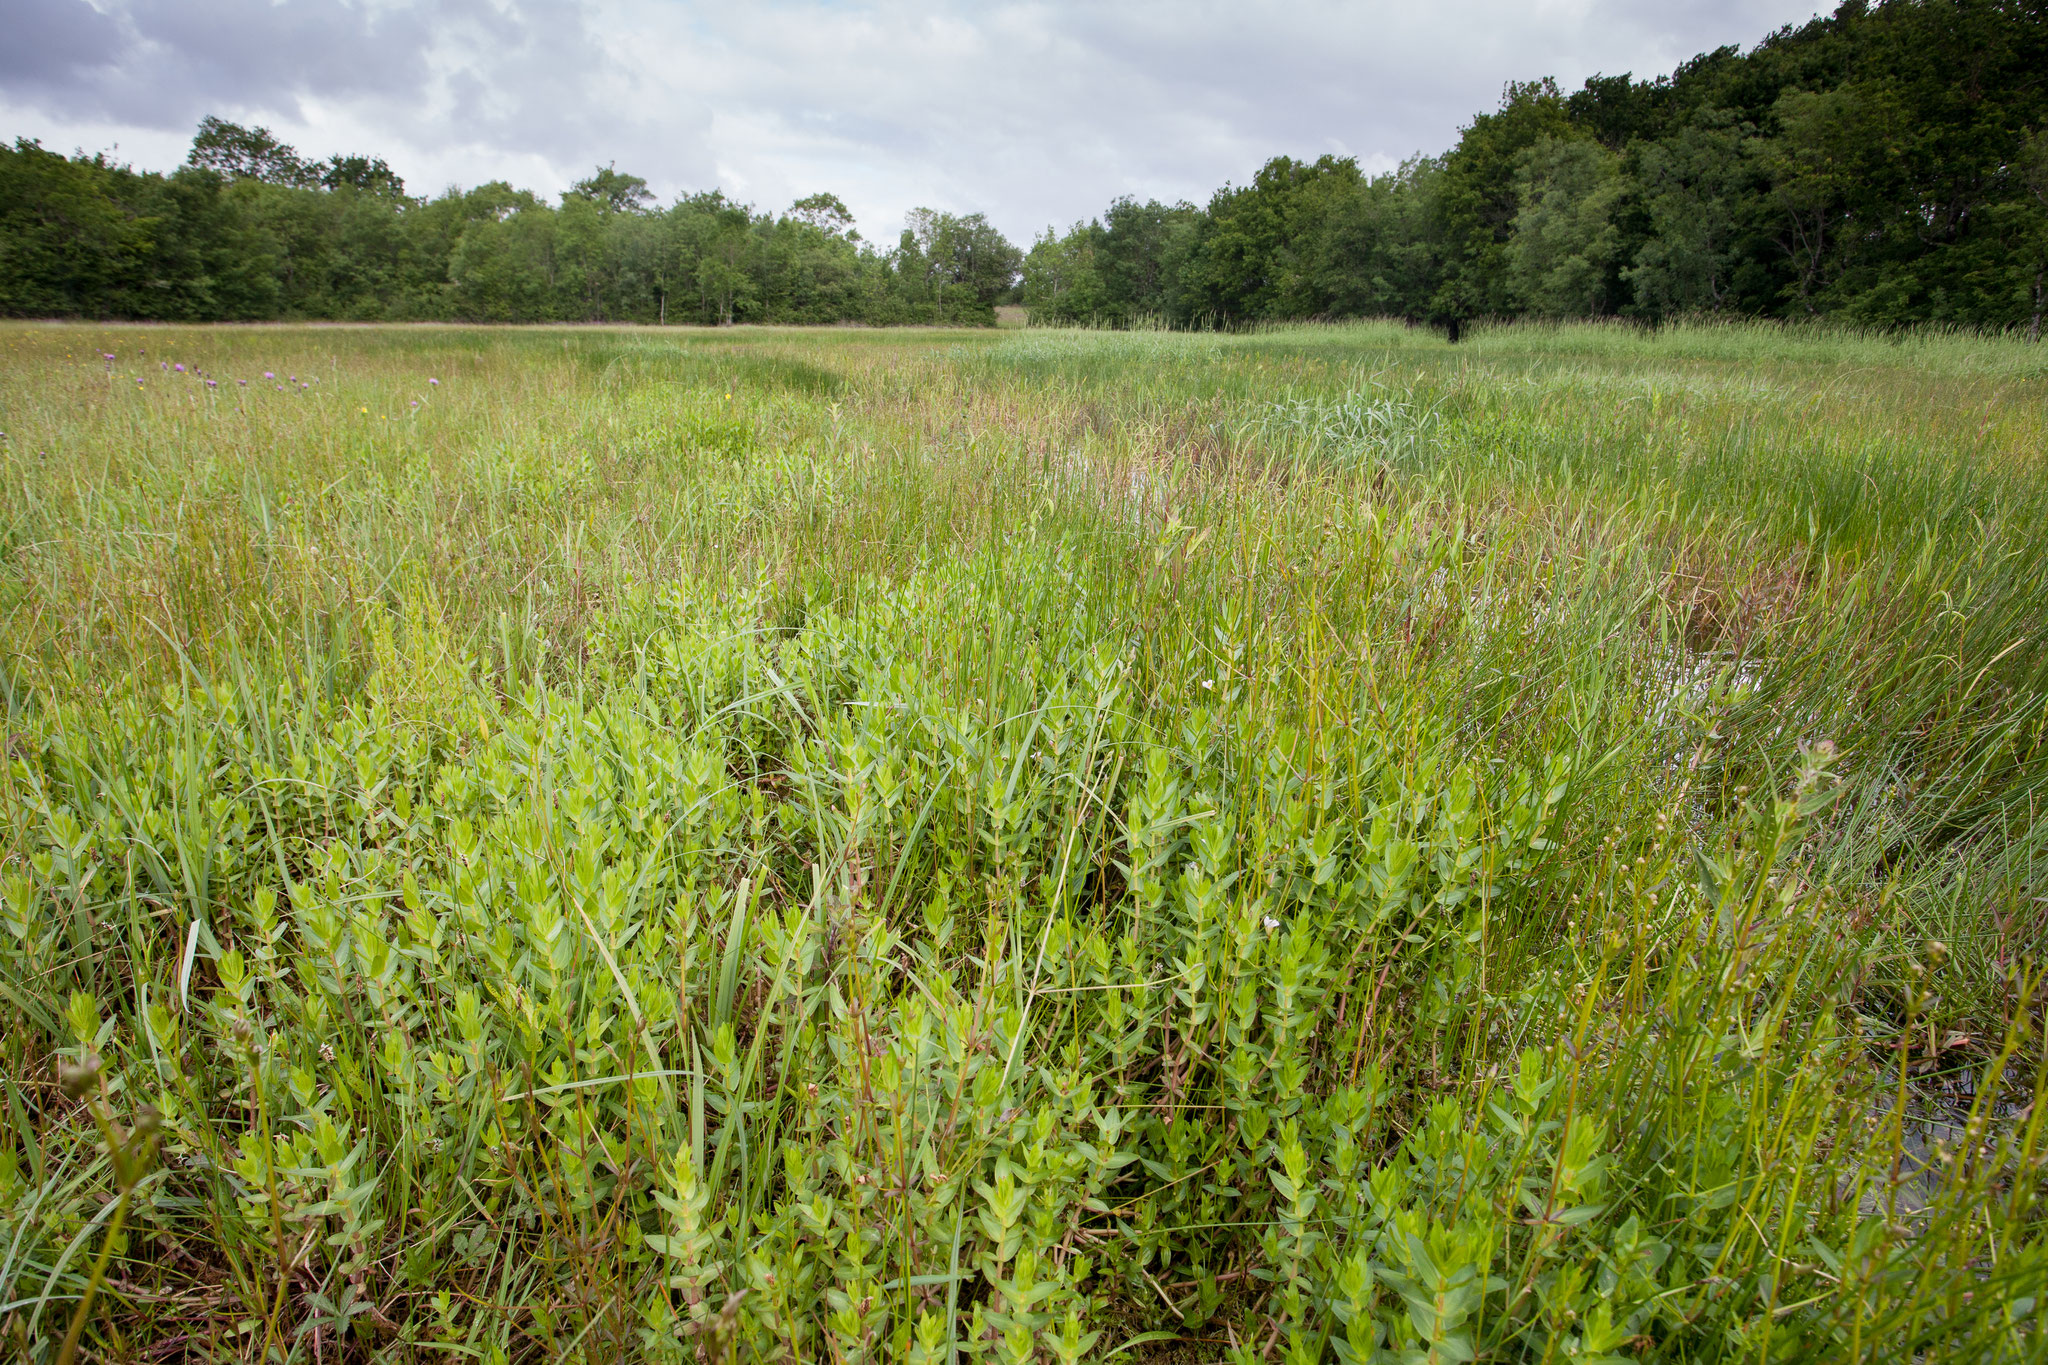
<point x="1305" y="845"/>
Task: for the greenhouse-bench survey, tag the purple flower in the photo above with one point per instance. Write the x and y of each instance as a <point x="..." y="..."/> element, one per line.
<point x="213" y="383"/>
<point x="243" y="382"/>
<point x="280" y="388"/>
<point x="180" y="367"/>
<point x="435" y="382"/>
<point x="268" y="375"/>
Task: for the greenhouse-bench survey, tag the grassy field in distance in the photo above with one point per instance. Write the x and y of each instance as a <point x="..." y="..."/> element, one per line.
<point x="1315" y="845"/>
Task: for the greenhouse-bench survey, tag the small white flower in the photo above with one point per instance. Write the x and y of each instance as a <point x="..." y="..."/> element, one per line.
<point x="1209" y="684"/>
<point x="1271" y="924"/>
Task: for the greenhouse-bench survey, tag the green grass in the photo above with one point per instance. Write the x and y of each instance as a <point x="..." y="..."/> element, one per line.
<point x="1312" y="845"/>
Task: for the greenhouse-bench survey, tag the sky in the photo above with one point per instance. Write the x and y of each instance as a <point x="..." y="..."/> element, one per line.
<point x="1036" y="113"/>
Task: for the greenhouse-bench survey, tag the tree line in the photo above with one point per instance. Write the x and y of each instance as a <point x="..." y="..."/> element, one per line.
<point x="247" y="229"/>
<point x="1885" y="165"/>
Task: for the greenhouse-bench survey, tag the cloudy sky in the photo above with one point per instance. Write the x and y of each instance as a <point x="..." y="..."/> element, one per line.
<point x="1034" y="113"/>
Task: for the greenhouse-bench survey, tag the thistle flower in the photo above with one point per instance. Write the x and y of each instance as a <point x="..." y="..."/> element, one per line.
<point x="179" y="367"/>
<point x="435" y="382"/>
<point x="267" y="374"/>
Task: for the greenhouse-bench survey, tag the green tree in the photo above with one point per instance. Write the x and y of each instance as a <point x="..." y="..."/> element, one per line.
<point x="1813" y="167"/>
<point x="67" y="245"/>
<point x="1060" y="280"/>
<point x="954" y="268"/>
<point x="709" y="244"/>
<point x="825" y="213"/>
<point x="503" y="268"/>
<point x="1561" y="257"/>
<point x="1695" y="185"/>
<point x="1478" y="198"/>
<point x="366" y="174"/>
<point x="240" y="153"/>
<point x="1247" y="259"/>
<point x="612" y="190"/>
<point x="2031" y="168"/>
<point x="1379" y="252"/>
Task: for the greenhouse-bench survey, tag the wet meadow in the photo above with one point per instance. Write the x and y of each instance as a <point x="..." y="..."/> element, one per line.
<point x="995" y="846"/>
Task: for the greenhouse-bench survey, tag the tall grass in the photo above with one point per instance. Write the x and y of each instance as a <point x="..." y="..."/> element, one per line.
<point x="572" y="844"/>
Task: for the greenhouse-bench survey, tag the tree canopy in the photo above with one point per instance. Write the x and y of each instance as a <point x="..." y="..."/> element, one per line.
<point x="246" y="229"/>
<point x="1886" y="165"/>
<point x="1882" y="165"/>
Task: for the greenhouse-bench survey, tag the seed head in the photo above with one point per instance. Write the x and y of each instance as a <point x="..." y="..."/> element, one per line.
<point x="77" y="1079"/>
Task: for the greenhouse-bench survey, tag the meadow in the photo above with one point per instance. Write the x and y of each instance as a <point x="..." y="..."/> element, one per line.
<point x="1308" y="845"/>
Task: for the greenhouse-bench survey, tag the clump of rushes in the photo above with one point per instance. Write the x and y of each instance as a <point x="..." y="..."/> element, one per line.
<point x="1306" y="846"/>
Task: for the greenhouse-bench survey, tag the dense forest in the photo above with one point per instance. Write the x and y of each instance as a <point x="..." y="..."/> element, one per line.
<point x="248" y="229"/>
<point x="1886" y="165"/>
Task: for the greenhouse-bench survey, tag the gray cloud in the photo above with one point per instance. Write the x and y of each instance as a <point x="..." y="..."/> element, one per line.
<point x="1034" y="111"/>
<point x="159" y="63"/>
<point x="55" y="43"/>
